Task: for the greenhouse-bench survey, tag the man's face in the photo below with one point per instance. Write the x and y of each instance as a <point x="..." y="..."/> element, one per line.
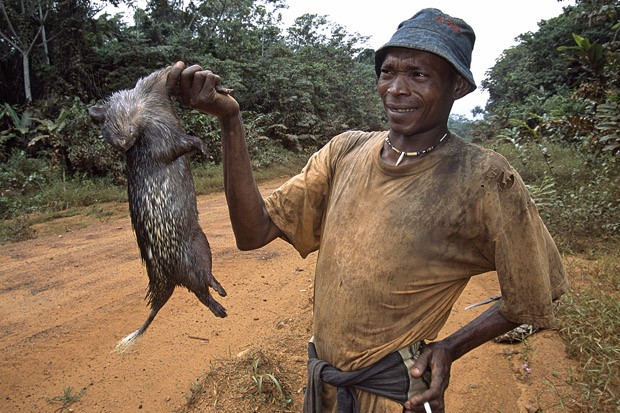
<point x="418" y="89"/>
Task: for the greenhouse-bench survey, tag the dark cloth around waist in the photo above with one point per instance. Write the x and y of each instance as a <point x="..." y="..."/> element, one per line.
<point x="389" y="377"/>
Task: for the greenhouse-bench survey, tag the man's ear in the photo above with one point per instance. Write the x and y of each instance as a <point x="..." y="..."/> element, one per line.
<point x="461" y="87"/>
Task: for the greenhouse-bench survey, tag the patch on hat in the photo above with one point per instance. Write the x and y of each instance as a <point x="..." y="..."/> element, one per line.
<point x="450" y="23"/>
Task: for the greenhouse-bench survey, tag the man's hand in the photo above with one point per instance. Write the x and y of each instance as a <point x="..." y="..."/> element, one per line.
<point x="439" y="356"/>
<point x="436" y="358"/>
<point x="201" y="90"/>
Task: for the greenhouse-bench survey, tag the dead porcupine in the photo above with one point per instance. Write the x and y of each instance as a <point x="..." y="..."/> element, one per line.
<point x="143" y="124"/>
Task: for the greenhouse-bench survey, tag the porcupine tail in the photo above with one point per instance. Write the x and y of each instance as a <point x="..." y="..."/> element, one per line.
<point x="157" y="300"/>
<point x="131" y="339"/>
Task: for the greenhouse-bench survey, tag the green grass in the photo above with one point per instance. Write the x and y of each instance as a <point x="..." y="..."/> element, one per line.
<point x="268" y="385"/>
<point x="58" y="199"/>
<point x="579" y="200"/>
<point x="581" y="195"/>
<point x="61" y="194"/>
<point x="67" y="399"/>
<point x="208" y="178"/>
<point x="589" y="319"/>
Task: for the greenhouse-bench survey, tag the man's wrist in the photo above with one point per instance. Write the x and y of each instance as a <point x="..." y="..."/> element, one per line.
<point x="231" y="118"/>
<point x="449" y="347"/>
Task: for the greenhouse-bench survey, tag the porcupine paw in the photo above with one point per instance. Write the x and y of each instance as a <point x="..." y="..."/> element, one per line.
<point x="204" y="148"/>
<point x="194" y="143"/>
<point x="216" y="308"/>
<point x="209" y="302"/>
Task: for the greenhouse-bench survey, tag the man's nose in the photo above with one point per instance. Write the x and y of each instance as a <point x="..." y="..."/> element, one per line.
<point x="398" y="86"/>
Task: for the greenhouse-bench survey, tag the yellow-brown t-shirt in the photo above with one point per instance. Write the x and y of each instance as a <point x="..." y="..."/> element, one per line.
<point x="397" y="245"/>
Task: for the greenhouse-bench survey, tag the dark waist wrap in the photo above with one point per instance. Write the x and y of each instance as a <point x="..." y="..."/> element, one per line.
<point x="388" y="377"/>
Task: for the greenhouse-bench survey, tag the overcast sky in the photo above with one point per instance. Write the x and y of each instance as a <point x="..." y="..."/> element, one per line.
<point x="495" y="22"/>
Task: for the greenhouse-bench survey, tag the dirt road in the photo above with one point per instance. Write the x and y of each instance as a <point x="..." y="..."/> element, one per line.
<point x="65" y="300"/>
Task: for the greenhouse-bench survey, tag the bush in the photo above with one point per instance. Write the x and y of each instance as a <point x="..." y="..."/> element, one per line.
<point x="87" y="152"/>
<point x="20" y="177"/>
<point x="65" y="139"/>
<point x="584" y="207"/>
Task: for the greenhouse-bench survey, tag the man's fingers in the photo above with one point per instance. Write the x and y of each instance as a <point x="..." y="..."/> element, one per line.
<point x="200" y="89"/>
<point x="172" y="81"/>
<point x="421" y="364"/>
<point x="430" y="398"/>
<point x="193" y="80"/>
<point x="186" y="83"/>
<point x="223" y="90"/>
<point x="205" y="82"/>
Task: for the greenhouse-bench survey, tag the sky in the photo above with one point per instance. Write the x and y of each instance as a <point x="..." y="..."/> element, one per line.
<point x="496" y="24"/>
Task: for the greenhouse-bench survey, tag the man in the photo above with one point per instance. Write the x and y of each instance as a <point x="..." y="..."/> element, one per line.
<point x="401" y="219"/>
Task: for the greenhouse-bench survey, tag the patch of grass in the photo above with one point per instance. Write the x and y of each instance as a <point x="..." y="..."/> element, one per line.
<point x="254" y="381"/>
<point x="196" y="392"/>
<point x="208" y="178"/>
<point x="58" y="199"/>
<point x="67" y="194"/>
<point x="526" y="355"/>
<point x="268" y="377"/>
<point x="67" y="399"/>
<point x="63" y="194"/>
<point x="16" y="230"/>
<point x="589" y="320"/>
<point x="267" y="383"/>
<point x="286" y="164"/>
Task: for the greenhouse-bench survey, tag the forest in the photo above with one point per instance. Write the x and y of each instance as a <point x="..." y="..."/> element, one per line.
<point x="553" y="107"/>
<point x="555" y="91"/>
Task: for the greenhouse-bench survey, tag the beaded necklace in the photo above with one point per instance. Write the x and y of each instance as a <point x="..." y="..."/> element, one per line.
<point x="402" y="154"/>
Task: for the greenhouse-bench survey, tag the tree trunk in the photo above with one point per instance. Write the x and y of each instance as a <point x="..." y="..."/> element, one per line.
<point x="26" y="64"/>
<point x="44" y="36"/>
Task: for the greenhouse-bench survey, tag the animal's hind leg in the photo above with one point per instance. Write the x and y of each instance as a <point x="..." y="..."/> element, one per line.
<point x="203" y="265"/>
<point x="158" y="300"/>
<point x="203" y="276"/>
<point x="213" y="305"/>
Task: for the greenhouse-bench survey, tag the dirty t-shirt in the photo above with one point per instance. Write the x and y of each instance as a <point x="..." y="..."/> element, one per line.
<point x="397" y="245"/>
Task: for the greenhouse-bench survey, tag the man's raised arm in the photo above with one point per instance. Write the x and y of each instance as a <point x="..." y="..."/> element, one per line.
<point x="202" y="90"/>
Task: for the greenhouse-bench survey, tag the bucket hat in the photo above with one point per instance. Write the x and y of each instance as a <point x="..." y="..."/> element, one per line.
<point x="431" y="30"/>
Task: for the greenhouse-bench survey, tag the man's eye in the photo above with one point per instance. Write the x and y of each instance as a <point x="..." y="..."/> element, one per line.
<point x="386" y="74"/>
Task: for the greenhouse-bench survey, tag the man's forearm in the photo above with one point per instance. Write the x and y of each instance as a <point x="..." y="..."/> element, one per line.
<point x="483" y="328"/>
<point x="251" y="224"/>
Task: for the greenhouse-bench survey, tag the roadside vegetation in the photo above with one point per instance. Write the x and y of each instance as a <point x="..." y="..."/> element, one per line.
<point x="553" y="111"/>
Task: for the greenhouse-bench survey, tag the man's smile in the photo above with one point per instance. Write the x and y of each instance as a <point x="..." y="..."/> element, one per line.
<point x="401" y="109"/>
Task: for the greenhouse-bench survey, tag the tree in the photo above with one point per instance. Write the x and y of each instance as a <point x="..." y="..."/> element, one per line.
<point x="531" y="78"/>
<point x="307" y="84"/>
<point x="532" y="68"/>
<point x="23" y="23"/>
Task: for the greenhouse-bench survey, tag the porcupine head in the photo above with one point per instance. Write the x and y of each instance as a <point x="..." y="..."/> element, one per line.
<point x="126" y="112"/>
